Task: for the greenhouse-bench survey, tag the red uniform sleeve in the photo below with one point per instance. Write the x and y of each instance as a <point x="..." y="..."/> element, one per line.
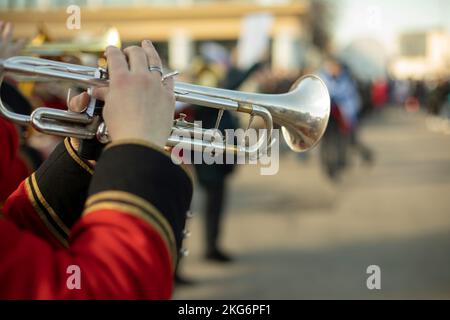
<point x="49" y="201"/>
<point x="126" y="243"/>
<point x="12" y="168"/>
<point x="118" y="257"/>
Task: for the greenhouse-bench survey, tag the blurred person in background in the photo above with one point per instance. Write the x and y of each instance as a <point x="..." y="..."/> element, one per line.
<point x="342" y="131"/>
<point x="216" y="69"/>
<point x="401" y="91"/>
<point x="21" y="159"/>
<point x="24" y="95"/>
<point x="16" y="102"/>
<point x="379" y="96"/>
<point x="213" y="178"/>
<point x="438" y="97"/>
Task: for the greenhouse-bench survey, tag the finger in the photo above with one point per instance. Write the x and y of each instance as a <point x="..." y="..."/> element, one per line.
<point x="152" y="56"/>
<point x="137" y="59"/>
<point x="100" y="93"/>
<point x="117" y="64"/>
<point x="169" y="84"/>
<point x="79" y="102"/>
<point x="2" y="26"/>
<point x="8" y="32"/>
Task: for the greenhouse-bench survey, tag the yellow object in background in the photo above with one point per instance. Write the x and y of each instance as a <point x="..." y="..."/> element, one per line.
<point x="26" y="88"/>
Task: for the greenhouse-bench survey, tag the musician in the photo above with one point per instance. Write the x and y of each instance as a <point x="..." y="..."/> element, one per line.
<point x="213" y="178"/>
<point x="120" y="220"/>
<point x="15" y="165"/>
<point x="13" y="169"/>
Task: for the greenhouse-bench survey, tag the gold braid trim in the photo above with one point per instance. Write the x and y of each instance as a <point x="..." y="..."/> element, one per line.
<point x="41" y="214"/>
<point x="76" y="157"/>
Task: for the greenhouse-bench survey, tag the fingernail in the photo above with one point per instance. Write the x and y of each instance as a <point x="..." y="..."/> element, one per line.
<point x="148" y="42"/>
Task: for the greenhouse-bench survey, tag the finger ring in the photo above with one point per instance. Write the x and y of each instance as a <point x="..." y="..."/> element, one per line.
<point x="155" y="68"/>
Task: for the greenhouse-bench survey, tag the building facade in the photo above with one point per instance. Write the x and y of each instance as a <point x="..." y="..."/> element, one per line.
<point x="179" y="24"/>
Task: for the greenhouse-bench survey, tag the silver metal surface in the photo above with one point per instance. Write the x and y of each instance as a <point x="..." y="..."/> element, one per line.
<point x="156" y="68"/>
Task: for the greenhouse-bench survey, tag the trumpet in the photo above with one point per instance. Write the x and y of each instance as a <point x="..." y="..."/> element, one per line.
<point x="302" y="113"/>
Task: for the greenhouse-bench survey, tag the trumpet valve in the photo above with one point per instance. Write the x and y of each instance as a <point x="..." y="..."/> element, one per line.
<point x="102" y="133"/>
<point x="182" y="123"/>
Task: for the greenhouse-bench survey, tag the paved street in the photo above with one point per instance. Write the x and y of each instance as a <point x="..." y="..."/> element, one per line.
<point x="296" y="235"/>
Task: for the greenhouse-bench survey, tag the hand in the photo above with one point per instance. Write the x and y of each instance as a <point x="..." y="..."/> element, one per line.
<point x="77" y="104"/>
<point x="137" y="104"/>
<point x="8" y="47"/>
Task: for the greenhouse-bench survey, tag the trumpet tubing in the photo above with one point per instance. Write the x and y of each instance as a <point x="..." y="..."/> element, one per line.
<point x="302" y="112"/>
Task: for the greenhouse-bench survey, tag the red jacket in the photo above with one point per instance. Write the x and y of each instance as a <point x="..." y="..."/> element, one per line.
<point x="12" y="168"/>
<point x="120" y="226"/>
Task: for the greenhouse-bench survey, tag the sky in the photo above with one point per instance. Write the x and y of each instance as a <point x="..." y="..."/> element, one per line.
<point x="385" y="19"/>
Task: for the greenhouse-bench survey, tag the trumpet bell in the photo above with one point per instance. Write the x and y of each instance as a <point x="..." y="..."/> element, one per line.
<point x="304" y="113"/>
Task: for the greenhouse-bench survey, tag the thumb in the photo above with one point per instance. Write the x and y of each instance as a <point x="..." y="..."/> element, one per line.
<point x="79" y="102"/>
<point x="100" y="93"/>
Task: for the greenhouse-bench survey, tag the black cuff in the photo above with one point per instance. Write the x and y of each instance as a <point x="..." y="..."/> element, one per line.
<point x="59" y="188"/>
<point x="143" y="179"/>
